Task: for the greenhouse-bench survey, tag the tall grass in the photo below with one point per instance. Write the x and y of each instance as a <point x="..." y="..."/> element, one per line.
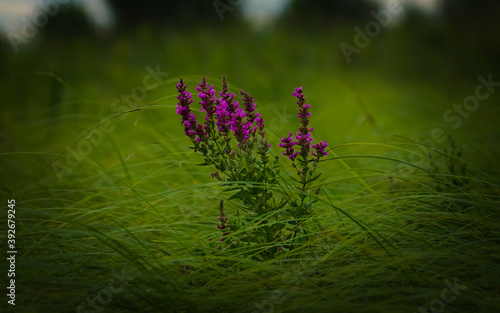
<point x="378" y="240"/>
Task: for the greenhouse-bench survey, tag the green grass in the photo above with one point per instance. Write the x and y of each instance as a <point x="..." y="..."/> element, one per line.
<point x="380" y="239"/>
<point x="376" y="245"/>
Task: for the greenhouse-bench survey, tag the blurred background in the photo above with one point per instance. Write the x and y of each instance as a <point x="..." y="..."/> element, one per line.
<point x="372" y="70"/>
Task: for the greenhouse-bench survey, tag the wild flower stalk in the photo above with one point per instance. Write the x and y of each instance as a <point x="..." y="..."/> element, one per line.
<point x="208" y="99"/>
<point x="298" y="149"/>
<point x="184" y="110"/>
<point x="303" y="142"/>
<point x="223" y="221"/>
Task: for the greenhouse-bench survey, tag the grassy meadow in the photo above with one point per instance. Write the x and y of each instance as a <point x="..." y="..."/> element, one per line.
<point x="113" y="214"/>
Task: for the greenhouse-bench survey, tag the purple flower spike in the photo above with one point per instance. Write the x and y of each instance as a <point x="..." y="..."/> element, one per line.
<point x="259" y="121"/>
<point x="184" y="110"/>
<point x="320" y="149"/>
<point x="223" y="117"/>
<point x="298" y="92"/>
<point x="227" y="96"/>
<point x="303" y="135"/>
<point x="240" y="127"/>
<point x="223" y="221"/>
<point x="208" y="99"/>
<point x="287" y="143"/>
<point x="252" y="116"/>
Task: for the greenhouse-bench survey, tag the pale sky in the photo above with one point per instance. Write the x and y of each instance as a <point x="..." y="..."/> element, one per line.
<point x="263" y="12"/>
<point x="260" y="12"/>
<point x="425" y="5"/>
<point x="13" y="11"/>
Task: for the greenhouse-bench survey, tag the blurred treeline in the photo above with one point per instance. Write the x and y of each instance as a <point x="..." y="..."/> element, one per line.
<point x="459" y="42"/>
<point x="465" y="31"/>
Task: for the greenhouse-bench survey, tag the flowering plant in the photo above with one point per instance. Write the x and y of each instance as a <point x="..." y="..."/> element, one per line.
<point x="233" y="144"/>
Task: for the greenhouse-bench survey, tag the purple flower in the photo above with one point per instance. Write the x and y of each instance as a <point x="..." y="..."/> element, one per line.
<point x="303" y="139"/>
<point x="208" y="99"/>
<point x="249" y="103"/>
<point x="184" y="110"/>
<point x="264" y="144"/>
<point x="303" y="135"/>
<point x="222" y="218"/>
<point x="201" y="133"/>
<point x="287" y="143"/>
<point x="223" y="221"/>
<point x="303" y="113"/>
<point x="240" y="127"/>
<point x="259" y="121"/>
<point x="298" y="92"/>
<point x="223" y="117"/>
<point x="227" y="96"/>
<point x="320" y="149"/>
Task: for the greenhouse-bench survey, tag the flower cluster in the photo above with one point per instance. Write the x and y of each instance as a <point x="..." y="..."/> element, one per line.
<point x="257" y="121"/>
<point x="303" y="137"/>
<point x="207" y="96"/>
<point x="224" y="112"/>
<point x="240" y="127"/>
<point x="191" y="128"/>
<point x="304" y="134"/>
<point x="320" y="149"/>
<point x="183" y="109"/>
<point x="287" y="143"/>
